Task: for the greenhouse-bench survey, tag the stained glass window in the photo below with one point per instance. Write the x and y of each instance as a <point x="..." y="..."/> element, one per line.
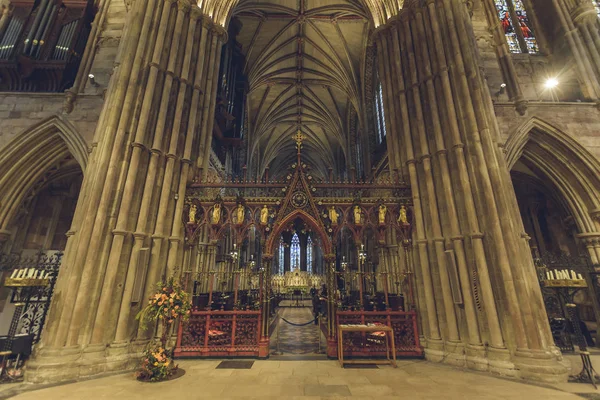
<point x="281" y="256"/>
<point x="523" y="35"/>
<point x="379" y="114"/>
<point x="295" y="253"/>
<point x="309" y="255"/>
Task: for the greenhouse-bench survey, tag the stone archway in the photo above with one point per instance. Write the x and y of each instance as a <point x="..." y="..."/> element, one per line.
<point x="309" y="220"/>
<point x="30" y="159"/>
<point x="565" y="164"/>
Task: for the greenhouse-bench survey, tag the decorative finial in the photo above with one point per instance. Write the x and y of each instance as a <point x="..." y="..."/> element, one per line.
<point x="299" y="138"/>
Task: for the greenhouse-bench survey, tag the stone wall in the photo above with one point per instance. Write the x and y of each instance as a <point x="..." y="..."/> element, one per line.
<point x="579" y="120"/>
<point x="21" y="111"/>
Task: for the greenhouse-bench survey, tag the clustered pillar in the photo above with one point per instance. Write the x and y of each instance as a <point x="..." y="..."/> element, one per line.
<point x="465" y="211"/>
<point x="153" y="135"/>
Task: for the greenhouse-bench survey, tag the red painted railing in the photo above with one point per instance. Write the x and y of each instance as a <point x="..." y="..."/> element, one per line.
<point x="219" y="334"/>
<point x="359" y="344"/>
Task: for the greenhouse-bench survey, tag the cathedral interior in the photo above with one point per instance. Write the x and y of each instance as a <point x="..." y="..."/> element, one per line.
<point x="302" y="168"/>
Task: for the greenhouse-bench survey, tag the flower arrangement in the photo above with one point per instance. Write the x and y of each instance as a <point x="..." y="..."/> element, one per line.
<point x="168" y="303"/>
<point x="156" y="365"/>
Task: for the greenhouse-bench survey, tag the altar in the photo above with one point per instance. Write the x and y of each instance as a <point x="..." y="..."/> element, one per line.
<point x="293" y="281"/>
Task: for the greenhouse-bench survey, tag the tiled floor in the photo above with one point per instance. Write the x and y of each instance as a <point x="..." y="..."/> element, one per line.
<point x="305" y="380"/>
<point x="296" y="340"/>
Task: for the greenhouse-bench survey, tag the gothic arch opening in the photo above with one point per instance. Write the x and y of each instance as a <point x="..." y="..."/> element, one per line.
<point x="558" y="165"/>
<point x="39" y="192"/>
<point x="49" y="150"/>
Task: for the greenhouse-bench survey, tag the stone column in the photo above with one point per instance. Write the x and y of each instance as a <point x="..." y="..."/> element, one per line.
<point x="463" y="199"/>
<point x="585" y="72"/>
<point x="132" y="200"/>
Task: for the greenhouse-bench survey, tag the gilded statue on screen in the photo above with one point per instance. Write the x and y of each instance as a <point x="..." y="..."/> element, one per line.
<point x="192" y="214"/>
<point x="402" y="218"/>
<point x="357" y="215"/>
<point x="382" y="212"/>
<point x="264" y="215"/>
<point x="333" y="215"/>
<point x="216" y="214"/>
<point x="241" y="213"/>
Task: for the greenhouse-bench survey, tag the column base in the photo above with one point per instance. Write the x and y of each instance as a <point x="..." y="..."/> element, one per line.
<point x="434" y="350"/>
<point x="73" y="363"/>
<point x="454" y="353"/>
<point x="500" y="362"/>
<point x="542" y="366"/>
<point x="476" y="358"/>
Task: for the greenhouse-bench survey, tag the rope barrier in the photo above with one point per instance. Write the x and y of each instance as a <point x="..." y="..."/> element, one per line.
<point x="295" y="324"/>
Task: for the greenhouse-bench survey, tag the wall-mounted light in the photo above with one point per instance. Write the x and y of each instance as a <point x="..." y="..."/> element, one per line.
<point x="93" y="80"/>
<point x="551" y="83"/>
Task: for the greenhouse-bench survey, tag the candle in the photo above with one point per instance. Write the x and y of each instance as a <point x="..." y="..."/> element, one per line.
<point x="20" y="274"/>
<point x="547" y="275"/>
<point x="573" y="275"/>
<point x="579" y="277"/>
<point x="551" y="275"/>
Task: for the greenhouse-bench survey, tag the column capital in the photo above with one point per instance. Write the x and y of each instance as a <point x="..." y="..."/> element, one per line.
<point x="184" y="5"/>
<point x="584" y="13"/>
<point x="589" y="238"/>
<point x="220" y="32"/>
<point x="196" y="14"/>
<point x="329" y="257"/>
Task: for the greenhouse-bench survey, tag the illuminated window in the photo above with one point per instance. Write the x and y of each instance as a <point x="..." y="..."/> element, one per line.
<point x="295" y="253"/>
<point x="597" y="6"/>
<point x="281" y="256"/>
<point x="517" y="27"/>
<point x="309" y="255"/>
<point x="379" y="114"/>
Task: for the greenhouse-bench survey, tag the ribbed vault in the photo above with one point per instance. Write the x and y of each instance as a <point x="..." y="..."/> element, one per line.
<point x="380" y="10"/>
<point x="305" y="63"/>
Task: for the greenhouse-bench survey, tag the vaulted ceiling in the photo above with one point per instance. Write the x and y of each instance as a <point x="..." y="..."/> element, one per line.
<point x="380" y="10"/>
<point x="305" y="63"/>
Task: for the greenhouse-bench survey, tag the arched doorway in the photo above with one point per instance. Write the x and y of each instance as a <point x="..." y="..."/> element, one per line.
<point x="44" y="169"/>
<point x="558" y="164"/>
<point x="298" y="289"/>
<point x="556" y="184"/>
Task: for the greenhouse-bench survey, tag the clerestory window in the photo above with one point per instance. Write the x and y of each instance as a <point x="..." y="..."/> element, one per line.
<point x="517" y="27"/>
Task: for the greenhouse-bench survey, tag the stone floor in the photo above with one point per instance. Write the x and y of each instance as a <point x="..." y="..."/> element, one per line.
<point x="295" y="333"/>
<point x="413" y="379"/>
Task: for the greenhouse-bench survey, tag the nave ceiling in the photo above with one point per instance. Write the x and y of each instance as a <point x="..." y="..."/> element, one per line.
<point x="305" y="63"/>
<point x="380" y="10"/>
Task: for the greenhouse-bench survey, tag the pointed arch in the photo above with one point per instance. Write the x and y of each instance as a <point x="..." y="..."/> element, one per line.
<point x="31" y="158"/>
<point x="309" y="219"/>
<point x="573" y="170"/>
